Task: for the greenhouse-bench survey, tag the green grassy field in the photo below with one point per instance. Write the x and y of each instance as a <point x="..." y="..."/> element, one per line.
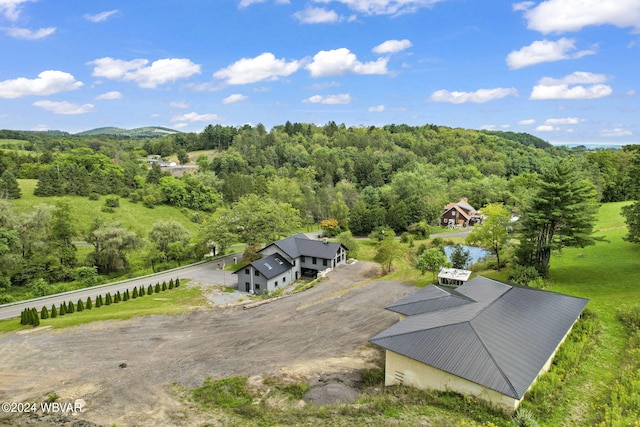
<point x="134" y="216"/>
<point x="171" y="302"/>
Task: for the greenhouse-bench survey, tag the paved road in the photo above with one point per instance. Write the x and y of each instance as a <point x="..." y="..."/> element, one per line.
<point x="208" y="272"/>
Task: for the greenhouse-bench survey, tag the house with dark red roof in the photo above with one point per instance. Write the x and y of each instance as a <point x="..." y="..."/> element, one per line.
<point x="460" y="214"/>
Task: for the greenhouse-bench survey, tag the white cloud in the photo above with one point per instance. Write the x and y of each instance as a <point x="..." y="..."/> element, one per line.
<point x="615" y="132"/>
<point x="526" y="122"/>
<point x="376" y="109"/>
<point x="563" y="121"/>
<point x="317" y="15"/>
<point x="392" y="46"/>
<point x="251" y="70"/>
<point x="545" y="51"/>
<point x="547" y="128"/>
<point x="100" y="17"/>
<point x="159" y="72"/>
<point x="343" y="98"/>
<point x="47" y="83"/>
<point x="195" y="117"/>
<point x="247" y="3"/>
<point x="383" y="7"/>
<point x="11" y="8"/>
<point x="64" y="107"/>
<point x="479" y="96"/>
<point x="525" y="5"/>
<point x="177" y="104"/>
<point x="27" y="34"/>
<point x="341" y="61"/>
<point x="109" y="95"/>
<point x="558" y="16"/>
<point x="233" y="98"/>
<point x="571" y="87"/>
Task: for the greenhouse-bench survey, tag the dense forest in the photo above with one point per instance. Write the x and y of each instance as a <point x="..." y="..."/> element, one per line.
<point x="360" y="178"/>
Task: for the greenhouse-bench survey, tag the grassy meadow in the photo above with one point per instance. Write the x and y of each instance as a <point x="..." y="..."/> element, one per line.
<point x="134" y="216"/>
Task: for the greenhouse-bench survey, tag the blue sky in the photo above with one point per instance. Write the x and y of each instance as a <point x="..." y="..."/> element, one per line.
<point x="567" y="71"/>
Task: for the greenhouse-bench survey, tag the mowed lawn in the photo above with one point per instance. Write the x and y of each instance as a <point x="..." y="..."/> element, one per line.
<point x="170" y="302"/>
<point x="134" y="216"/>
<point x="608" y="274"/>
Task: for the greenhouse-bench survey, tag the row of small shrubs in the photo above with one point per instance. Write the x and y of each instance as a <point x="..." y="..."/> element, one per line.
<point x="31" y="316"/>
<point x="622" y="405"/>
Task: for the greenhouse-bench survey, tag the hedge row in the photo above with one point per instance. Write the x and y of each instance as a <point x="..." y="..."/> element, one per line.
<point x="31" y="316"/>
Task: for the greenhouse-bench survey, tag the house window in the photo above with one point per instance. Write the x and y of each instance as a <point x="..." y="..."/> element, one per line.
<point x="276" y="283"/>
<point x="246" y="271"/>
<point x="284" y="280"/>
<point x="302" y="259"/>
<point x="257" y="286"/>
<point x="257" y="273"/>
<point x="324" y="262"/>
<point x="314" y="260"/>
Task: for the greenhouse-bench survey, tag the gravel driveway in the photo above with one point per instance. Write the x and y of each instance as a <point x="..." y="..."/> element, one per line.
<point x="124" y="370"/>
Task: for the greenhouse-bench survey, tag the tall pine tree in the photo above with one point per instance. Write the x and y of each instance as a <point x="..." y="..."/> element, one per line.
<point x="560" y="214"/>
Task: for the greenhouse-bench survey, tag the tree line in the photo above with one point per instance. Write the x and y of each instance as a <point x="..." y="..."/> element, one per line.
<point x="254" y="185"/>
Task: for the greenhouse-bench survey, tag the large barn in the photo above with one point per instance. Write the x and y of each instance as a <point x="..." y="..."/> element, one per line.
<point x="486" y="338"/>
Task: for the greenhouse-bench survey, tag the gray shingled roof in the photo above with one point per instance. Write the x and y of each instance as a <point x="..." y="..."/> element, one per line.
<point x="290" y="245"/>
<point x="300" y="245"/>
<point x="272" y="265"/>
<point x="500" y="340"/>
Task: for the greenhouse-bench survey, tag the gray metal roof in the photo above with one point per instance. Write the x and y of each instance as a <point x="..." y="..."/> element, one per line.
<point x="272" y="265"/>
<point x="427" y="299"/>
<point x="501" y="340"/>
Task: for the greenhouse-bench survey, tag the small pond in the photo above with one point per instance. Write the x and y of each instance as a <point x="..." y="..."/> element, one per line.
<point x="475" y="253"/>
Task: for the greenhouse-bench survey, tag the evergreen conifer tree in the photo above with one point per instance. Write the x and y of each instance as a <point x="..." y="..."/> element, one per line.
<point x="141" y="291"/>
<point x="149" y="290"/>
<point x="44" y="313"/>
<point x="134" y="294"/>
<point x="88" y="305"/>
<point x="177" y="282"/>
<point x="98" y="301"/>
<point x="157" y="288"/>
<point x="117" y="297"/>
<point x="9" y="188"/>
<point x="108" y="300"/>
<point x="164" y="286"/>
<point x="79" y="305"/>
<point x="54" y="312"/>
<point x="71" y="307"/>
<point x="23" y="317"/>
<point x="126" y="296"/>
<point x="63" y="309"/>
<point x="171" y="283"/>
<point x="35" y="317"/>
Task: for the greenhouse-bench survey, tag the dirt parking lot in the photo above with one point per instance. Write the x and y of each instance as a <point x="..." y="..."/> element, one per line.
<point x="320" y="331"/>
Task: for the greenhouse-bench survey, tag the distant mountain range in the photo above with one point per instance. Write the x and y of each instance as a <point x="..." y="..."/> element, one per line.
<point x="137" y="132"/>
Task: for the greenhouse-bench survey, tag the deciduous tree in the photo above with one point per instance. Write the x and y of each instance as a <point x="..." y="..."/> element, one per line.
<point x="492" y="234"/>
<point x="431" y="260"/>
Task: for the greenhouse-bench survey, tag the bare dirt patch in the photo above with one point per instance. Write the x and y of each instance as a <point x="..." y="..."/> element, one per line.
<point x="124" y="371"/>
